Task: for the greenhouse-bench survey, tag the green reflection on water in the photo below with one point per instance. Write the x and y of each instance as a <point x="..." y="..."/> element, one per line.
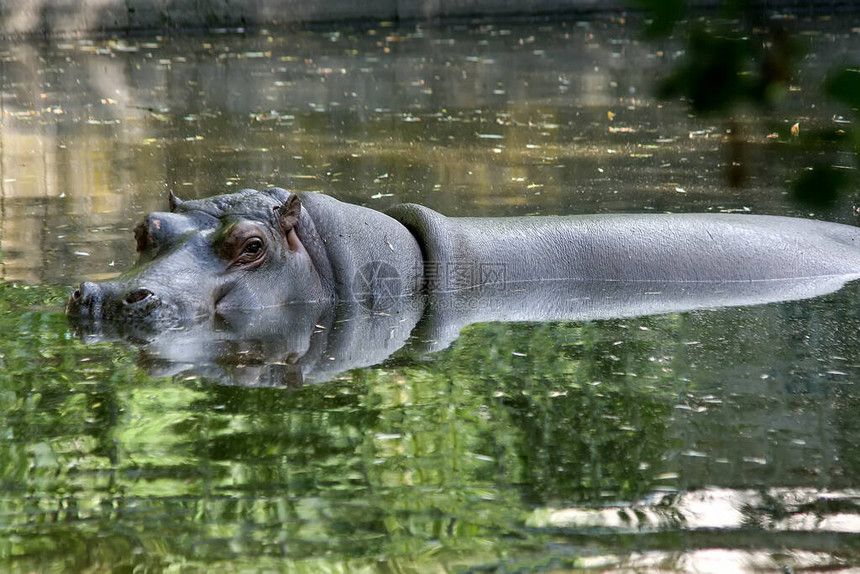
<point x="468" y="456"/>
<point x="103" y="464"/>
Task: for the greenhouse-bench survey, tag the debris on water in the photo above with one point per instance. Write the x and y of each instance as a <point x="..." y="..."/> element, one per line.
<point x="387" y="436"/>
<point x="694" y="454"/>
<point x="693" y="134"/>
<point x="252" y="55"/>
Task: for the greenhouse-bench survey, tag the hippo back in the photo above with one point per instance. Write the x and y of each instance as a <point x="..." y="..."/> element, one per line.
<point x="631" y="247"/>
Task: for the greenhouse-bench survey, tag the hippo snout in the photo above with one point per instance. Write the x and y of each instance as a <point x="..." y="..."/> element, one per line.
<point x="106" y="300"/>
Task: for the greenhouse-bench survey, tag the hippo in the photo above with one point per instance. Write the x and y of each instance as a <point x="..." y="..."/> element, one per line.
<point x="312" y="286"/>
<point x="269" y="249"/>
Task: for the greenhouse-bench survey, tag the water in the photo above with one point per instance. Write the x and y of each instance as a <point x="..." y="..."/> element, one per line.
<point x="715" y="440"/>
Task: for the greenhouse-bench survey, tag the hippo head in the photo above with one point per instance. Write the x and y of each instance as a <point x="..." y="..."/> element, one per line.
<point x="238" y="251"/>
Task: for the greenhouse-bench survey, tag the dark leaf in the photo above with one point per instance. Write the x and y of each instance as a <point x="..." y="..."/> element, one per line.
<point x="664" y="15"/>
<point x="819" y="187"/>
<point x="844" y="86"/>
<point x="712" y="78"/>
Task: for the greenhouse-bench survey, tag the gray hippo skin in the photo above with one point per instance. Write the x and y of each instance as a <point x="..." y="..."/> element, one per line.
<point x="249" y="250"/>
<point x="248" y="263"/>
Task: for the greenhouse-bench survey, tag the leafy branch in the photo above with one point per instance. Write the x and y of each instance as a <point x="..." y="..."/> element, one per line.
<point x="740" y="58"/>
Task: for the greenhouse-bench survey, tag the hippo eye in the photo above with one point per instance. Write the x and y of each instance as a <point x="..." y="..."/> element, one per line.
<point x="253" y="247"/>
<point x="251" y="250"/>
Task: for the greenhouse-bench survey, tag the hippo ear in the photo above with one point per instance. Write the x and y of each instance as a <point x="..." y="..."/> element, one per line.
<point x="173" y="201"/>
<point x="288" y="213"/>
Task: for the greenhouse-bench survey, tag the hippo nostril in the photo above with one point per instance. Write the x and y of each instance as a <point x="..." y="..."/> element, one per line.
<point x="137" y="295"/>
<point x="86" y="293"/>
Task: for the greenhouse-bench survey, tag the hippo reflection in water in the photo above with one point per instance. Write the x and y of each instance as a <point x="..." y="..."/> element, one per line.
<point x="323" y="286"/>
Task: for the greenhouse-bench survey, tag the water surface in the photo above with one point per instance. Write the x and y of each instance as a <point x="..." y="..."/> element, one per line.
<point x="715" y="440"/>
